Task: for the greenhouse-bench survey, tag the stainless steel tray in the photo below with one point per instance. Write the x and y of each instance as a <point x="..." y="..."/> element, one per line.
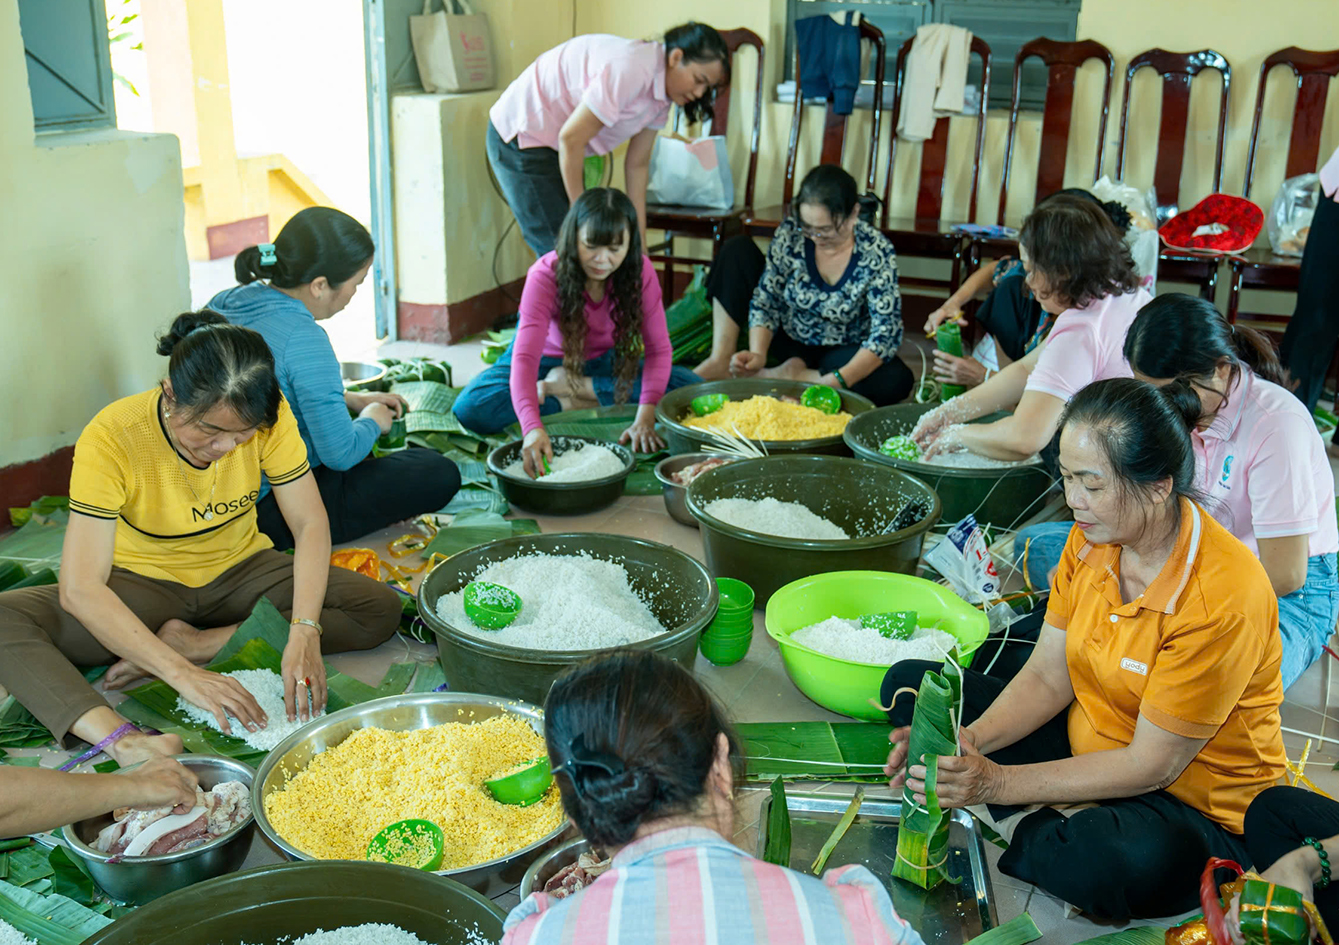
<point x="949" y="914"/>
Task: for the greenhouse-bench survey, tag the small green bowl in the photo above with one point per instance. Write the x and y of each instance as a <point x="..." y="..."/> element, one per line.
<point x="522" y="788"/>
<point x="821" y="397"/>
<point x="395" y="844"/>
<point x="727" y="625"/>
<point x="708" y="403"/>
<point x="736" y="596"/>
<point x="725" y="653"/>
<point x="491" y="606"/>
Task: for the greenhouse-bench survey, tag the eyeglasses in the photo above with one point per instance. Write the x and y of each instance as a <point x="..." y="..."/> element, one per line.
<point x="821" y="233"/>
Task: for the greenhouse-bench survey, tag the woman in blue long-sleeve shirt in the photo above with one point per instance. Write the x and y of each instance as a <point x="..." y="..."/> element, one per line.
<point x="309" y="273"/>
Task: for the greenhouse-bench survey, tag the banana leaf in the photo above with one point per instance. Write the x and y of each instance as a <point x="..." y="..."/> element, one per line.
<point x="838" y="832"/>
<point x="47" y="505"/>
<point x="48" y="919"/>
<point x="473" y="530"/>
<point x="430" y="677"/>
<point x="1139" y="935"/>
<point x="777" y="850"/>
<point x="922" y="832"/>
<point x="475" y="497"/>
<point x="37" y="544"/>
<point x="472" y="472"/>
<point x="19" y="761"/>
<point x="25" y="866"/>
<point x="411" y="370"/>
<point x="816" y="751"/>
<point x="1017" y="931"/>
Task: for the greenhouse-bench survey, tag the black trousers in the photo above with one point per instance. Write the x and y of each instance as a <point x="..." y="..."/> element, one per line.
<point x="1309" y="341"/>
<point x="1276" y="822"/>
<point x="371" y="495"/>
<point x="532" y="182"/>
<point x="736" y="273"/>
<point x="1133" y="857"/>
<point x="1011" y="314"/>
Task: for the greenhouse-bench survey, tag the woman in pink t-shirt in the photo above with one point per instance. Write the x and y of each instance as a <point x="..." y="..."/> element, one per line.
<point x="590" y="313"/>
<point x="1080" y="270"/>
<point x="586" y="97"/>
<point x="1260" y="462"/>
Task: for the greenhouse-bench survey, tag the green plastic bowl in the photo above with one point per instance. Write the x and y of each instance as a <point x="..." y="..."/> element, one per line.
<point x="394" y="844"/>
<point x="491" y="606"/>
<point x="844" y="686"/>
<point x="736" y="597"/>
<point x="821" y="397"/>
<point x="1004" y="496"/>
<point x="675" y="407"/>
<point x="725" y="653"/>
<point x="709" y="403"/>
<point x="522" y="788"/>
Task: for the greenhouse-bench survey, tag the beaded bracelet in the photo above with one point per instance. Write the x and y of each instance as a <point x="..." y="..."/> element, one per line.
<point x="1324" y="861"/>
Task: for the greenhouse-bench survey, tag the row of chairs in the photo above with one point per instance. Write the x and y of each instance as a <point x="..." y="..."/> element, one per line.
<point x="928" y="234"/>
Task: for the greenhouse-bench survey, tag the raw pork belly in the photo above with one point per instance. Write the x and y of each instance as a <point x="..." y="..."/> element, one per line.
<point x="167" y="830"/>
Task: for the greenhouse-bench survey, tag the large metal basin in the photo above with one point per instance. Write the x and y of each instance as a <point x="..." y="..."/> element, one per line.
<point x="404" y="713"/>
<point x="673" y="408"/>
<point x="1004" y="497"/>
<point x="678" y="589"/>
<point x="274" y="904"/>
<point x="863" y="498"/>
<point x="140" y="879"/>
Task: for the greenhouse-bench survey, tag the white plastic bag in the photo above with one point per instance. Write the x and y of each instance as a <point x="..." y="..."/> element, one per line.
<point x="691" y="173"/>
<point x="1289" y="219"/>
<point x="1142" y="236"/>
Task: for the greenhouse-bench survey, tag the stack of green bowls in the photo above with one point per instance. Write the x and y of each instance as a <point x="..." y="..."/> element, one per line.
<point x="727" y="638"/>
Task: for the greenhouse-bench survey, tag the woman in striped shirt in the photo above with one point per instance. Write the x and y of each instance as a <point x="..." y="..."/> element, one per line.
<point x="647" y="766"/>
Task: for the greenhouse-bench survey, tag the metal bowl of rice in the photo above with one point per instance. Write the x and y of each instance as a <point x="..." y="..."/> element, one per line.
<point x="281" y="903"/>
<point x="674" y="408"/>
<point x="677" y="590"/>
<point x="403" y="713"/>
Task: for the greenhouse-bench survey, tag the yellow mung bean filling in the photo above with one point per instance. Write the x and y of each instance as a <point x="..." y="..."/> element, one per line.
<point x="335" y="806"/>
<point x="766" y="418"/>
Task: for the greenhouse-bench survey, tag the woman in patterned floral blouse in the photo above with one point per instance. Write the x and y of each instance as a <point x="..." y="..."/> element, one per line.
<point x="823" y="303"/>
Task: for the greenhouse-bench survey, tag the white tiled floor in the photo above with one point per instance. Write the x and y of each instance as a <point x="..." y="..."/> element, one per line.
<point x="757" y="688"/>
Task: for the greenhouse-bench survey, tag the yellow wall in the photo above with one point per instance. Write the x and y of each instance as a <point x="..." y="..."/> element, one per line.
<point x="96" y="265"/>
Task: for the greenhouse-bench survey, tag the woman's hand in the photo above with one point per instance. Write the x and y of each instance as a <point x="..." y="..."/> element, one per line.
<point x="896" y="768"/>
<point x="643" y="437"/>
<point x="948" y="440"/>
<point x="161" y="782"/>
<point x="535" y="448"/>
<point x="929" y="425"/>
<point x="747" y="363"/>
<point x="304" y="672"/>
<point x="951" y="369"/>
<point x="223" y="696"/>
<point x="1291" y="870"/>
<point x="381" y="414"/>
<point x="961" y="780"/>
<point x="358" y="402"/>
<point x="949" y="311"/>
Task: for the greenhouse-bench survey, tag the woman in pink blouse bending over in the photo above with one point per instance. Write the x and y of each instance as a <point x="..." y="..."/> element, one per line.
<point x="590" y="312"/>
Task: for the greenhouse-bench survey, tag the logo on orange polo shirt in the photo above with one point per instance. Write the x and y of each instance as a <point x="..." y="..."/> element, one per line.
<point x="1134" y="666"/>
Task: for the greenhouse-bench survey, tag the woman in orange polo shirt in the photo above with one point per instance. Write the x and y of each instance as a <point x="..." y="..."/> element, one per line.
<point x="1152" y="696"/>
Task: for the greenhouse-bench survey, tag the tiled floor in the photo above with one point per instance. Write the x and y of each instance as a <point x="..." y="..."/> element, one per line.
<point x="757" y="689"/>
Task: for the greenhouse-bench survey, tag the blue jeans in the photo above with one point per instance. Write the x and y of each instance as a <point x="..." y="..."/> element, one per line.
<point x="1307" y="616"/>
<point x="485" y="404"/>
<point x="1045" y="543"/>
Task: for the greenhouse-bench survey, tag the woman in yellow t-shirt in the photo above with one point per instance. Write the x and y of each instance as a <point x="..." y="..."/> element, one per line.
<point x="1151" y="700"/>
<point x="163" y="560"/>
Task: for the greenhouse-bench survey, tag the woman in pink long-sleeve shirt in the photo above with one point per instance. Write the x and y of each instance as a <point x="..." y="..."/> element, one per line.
<point x="592" y="330"/>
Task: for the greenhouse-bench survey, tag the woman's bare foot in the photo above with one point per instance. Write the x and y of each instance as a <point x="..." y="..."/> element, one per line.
<point x="714" y="369"/>
<point x="134" y="748"/>
<point x="792" y="369"/>
<point x="178" y="634"/>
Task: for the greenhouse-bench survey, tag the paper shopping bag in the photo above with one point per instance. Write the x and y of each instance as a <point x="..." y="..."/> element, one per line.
<point x="453" y="50"/>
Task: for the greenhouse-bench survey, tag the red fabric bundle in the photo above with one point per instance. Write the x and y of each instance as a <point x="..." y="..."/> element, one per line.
<point x="1226" y="224"/>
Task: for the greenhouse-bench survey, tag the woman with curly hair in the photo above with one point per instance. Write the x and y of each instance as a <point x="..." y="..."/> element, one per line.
<point x="1080" y="270"/>
<point x="592" y="330"/>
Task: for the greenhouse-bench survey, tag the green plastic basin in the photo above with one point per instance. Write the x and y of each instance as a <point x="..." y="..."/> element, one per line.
<point x="863" y="498"/>
<point x="674" y="408"/>
<point x="678" y="590"/>
<point x="844" y="686"/>
<point x="280" y="903"/>
<point x="560" y="498"/>
<point x="1003" y="497"/>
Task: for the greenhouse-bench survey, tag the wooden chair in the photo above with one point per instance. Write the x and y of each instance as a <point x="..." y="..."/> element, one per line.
<point x="696" y="222"/>
<point x="926" y="234"/>
<point x="1258" y="267"/>
<point x="1063" y="61"/>
<point x="765" y="221"/>
<point x="1178" y="71"/>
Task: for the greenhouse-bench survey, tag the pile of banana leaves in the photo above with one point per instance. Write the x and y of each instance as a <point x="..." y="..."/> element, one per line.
<point x="49" y="897"/>
<point x="689" y="320"/>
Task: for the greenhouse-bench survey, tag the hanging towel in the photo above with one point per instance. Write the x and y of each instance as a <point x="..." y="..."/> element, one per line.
<point x="935" y="80"/>
<point x="829" y="50"/>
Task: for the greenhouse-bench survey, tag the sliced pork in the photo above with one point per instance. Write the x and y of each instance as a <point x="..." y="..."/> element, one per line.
<point x="165" y="830"/>
<point x="574" y="877"/>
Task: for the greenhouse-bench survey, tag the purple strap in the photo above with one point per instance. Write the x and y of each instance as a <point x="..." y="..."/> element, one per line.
<point x="115" y="736"/>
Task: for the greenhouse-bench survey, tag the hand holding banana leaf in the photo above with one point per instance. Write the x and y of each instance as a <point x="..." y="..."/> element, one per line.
<point x="961" y="780"/>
